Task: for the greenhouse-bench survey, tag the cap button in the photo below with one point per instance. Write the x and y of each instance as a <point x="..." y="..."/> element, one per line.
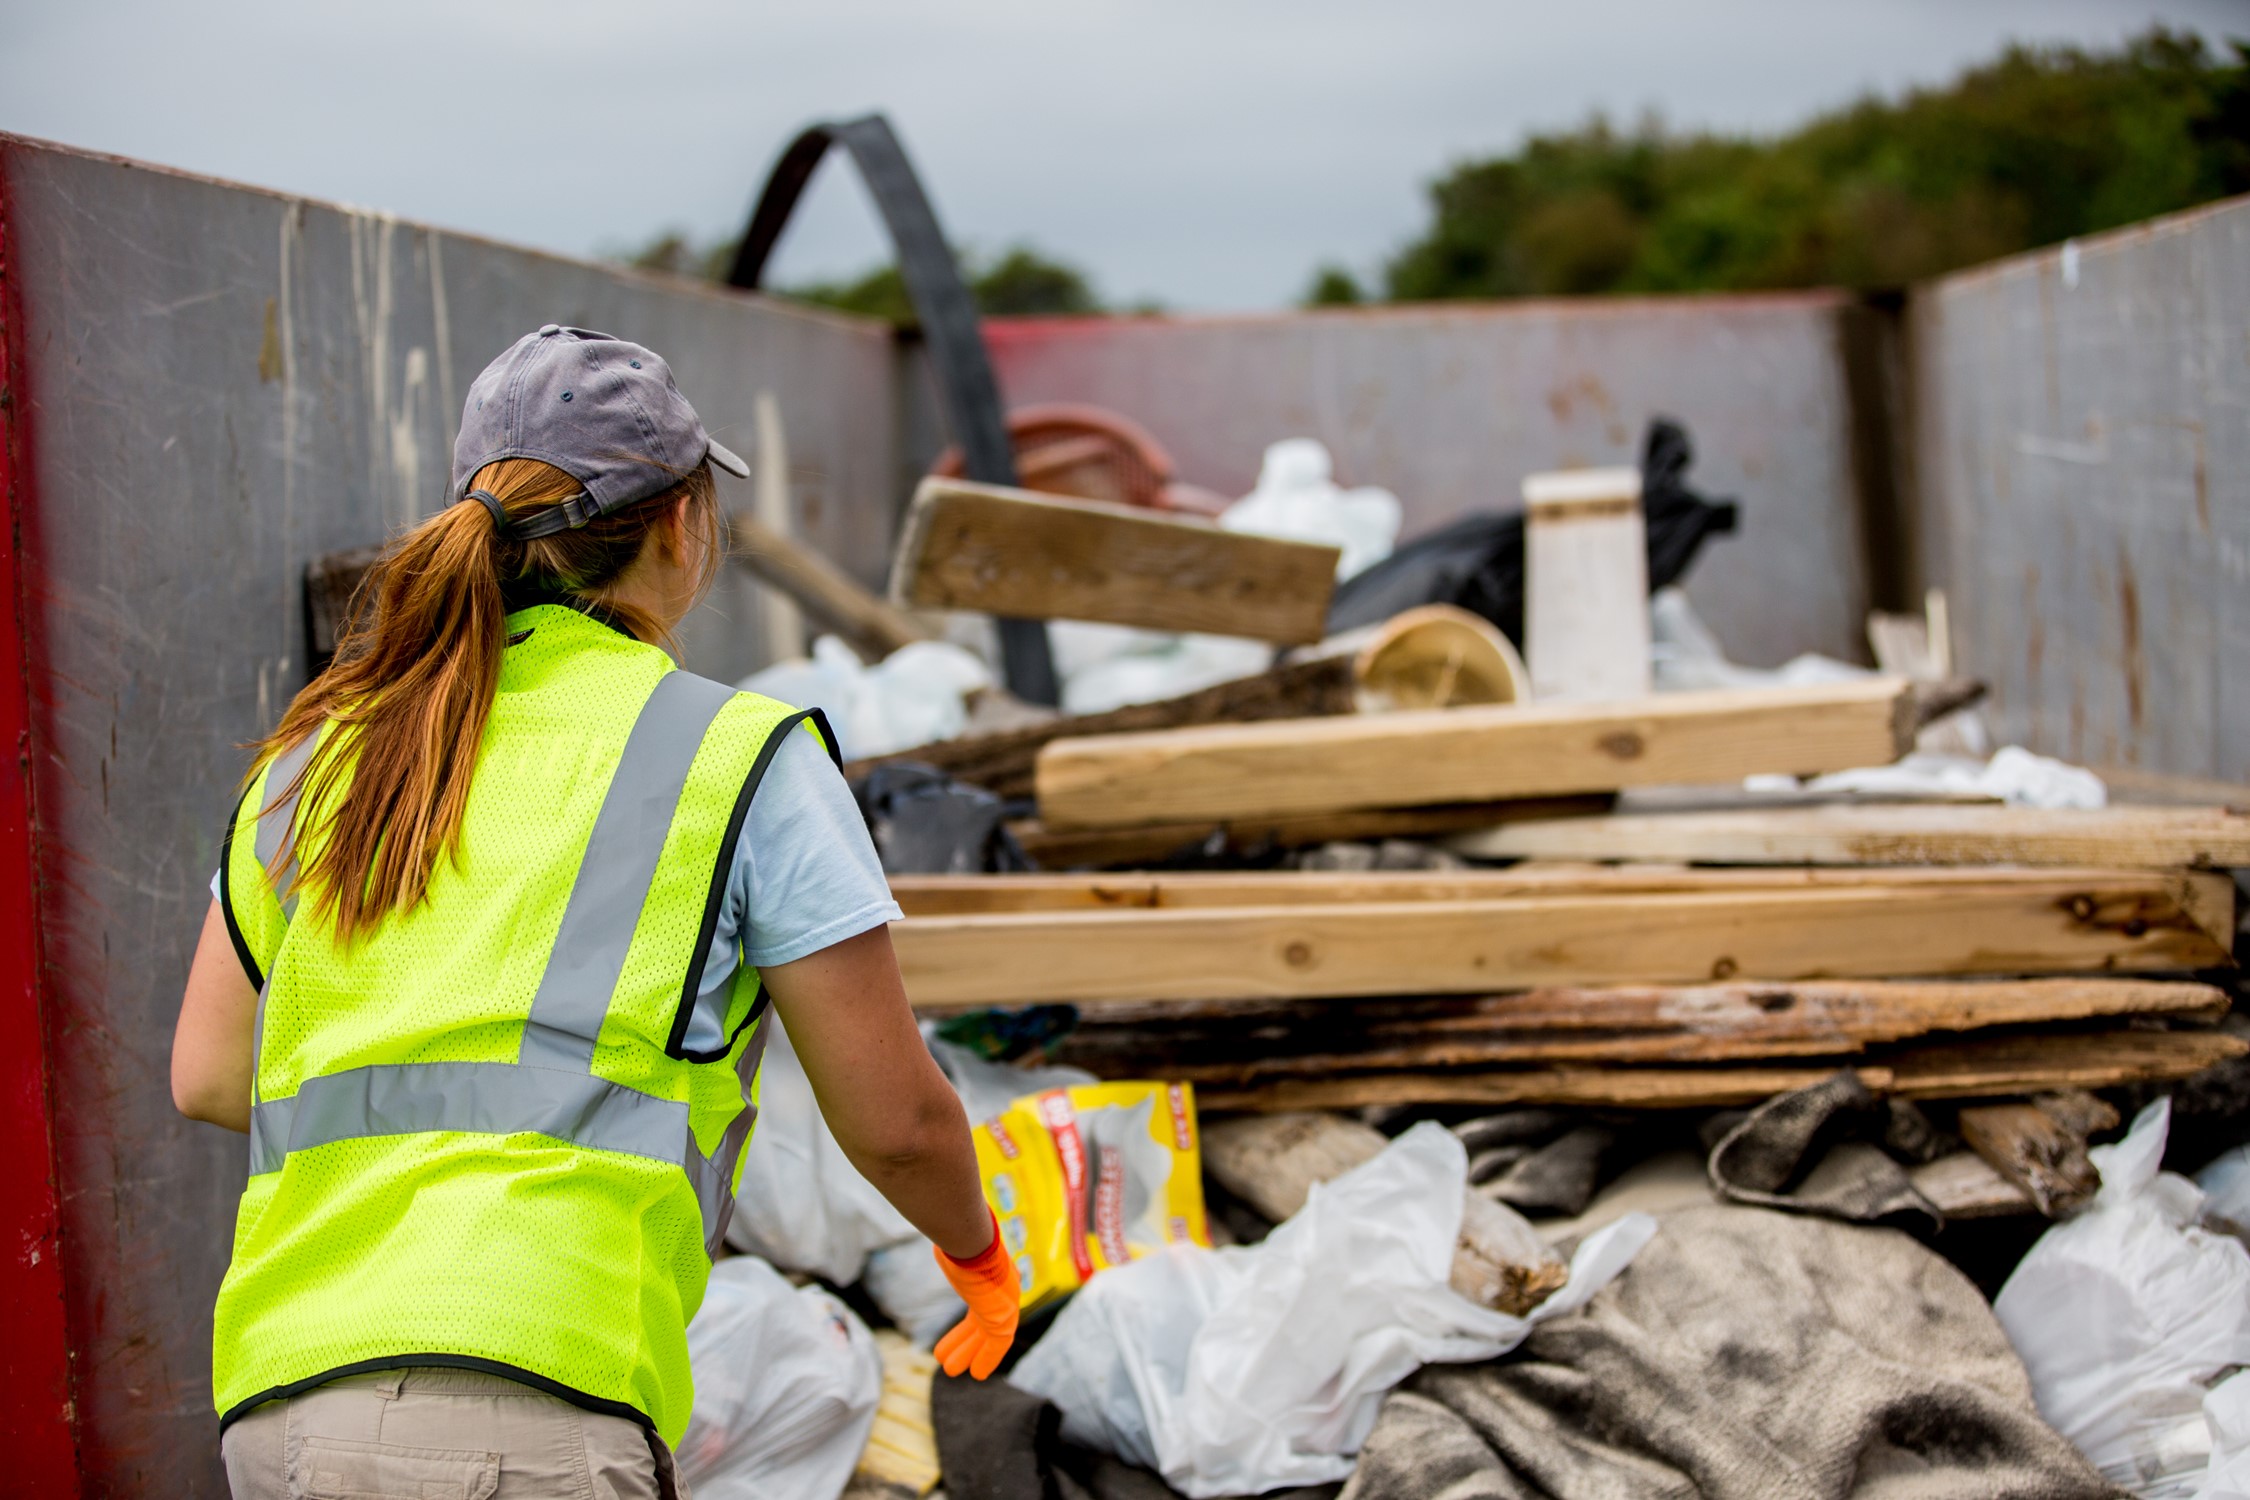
<point x="549" y="330"/>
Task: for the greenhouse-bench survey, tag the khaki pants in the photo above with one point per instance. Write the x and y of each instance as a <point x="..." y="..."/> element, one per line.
<point x="438" y="1434"/>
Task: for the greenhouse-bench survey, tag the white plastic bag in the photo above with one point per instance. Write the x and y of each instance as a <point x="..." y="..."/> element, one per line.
<point x="2226" y="1193"/>
<point x="786" y="1381"/>
<point x="2125" y="1315"/>
<point x="1236" y="1371"/>
<point x="911" y="697"/>
<point x="2226" y="1411"/>
<point x="803" y="1205"/>
<point x="1684" y="655"/>
<point x="1108" y="666"/>
<point x="1296" y="499"/>
<point x="2013" y="774"/>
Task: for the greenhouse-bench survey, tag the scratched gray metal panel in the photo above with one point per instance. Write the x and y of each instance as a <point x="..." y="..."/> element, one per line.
<point x="1451" y="405"/>
<point x="223" y="384"/>
<point x="2083" y="449"/>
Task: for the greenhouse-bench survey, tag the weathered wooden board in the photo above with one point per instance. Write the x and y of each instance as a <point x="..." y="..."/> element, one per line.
<point x="1895" y="834"/>
<point x="1122" y="848"/>
<point x="1642" y="1024"/>
<point x="871" y="626"/>
<point x="2025" y="922"/>
<point x="1407" y="759"/>
<point x="1976" y="1069"/>
<point x="1062" y="891"/>
<point x="1011" y="552"/>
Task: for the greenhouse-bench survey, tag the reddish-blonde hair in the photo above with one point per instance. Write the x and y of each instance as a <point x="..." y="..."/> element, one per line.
<point x="414" y="676"/>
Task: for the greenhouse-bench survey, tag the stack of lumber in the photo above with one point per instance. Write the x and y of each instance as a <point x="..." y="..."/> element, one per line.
<point x="1624" y="987"/>
<point x="1635" y="933"/>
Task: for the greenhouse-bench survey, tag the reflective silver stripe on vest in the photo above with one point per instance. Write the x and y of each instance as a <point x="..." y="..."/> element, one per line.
<point x="273" y="823"/>
<point x="737" y="1133"/>
<point x="283" y="791"/>
<point x="614" y="877"/>
<point x="507" y="1099"/>
<point x="551" y="1090"/>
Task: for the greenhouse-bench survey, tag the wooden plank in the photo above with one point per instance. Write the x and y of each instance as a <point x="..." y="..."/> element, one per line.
<point x="2040" y="1145"/>
<point x="1272" y="1163"/>
<point x="1962" y="1185"/>
<point x="2020" y="1065"/>
<point x="1895" y="834"/>
<point x="1988" y="1067"/>
<point x="1700" y="1023"/>
<point x="869" y="625"/>
<point x="2127" y="921"/>
<point x="1120" y="848"/>
<point x="937" y="895"/>
<point x="1011" y="552"/>
<point x="1001" y="761"/>
<point x="1407" y="759"/>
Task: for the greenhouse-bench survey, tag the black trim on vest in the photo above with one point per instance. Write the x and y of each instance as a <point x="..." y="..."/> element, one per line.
<point x="226" y="900"/>
<point x="676" y="1046"/>
<point x="526" y="594"/>
<point x="506" y="1371"/>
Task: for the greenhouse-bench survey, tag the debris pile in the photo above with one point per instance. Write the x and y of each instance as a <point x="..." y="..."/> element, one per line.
<point x="1460" y="984"/>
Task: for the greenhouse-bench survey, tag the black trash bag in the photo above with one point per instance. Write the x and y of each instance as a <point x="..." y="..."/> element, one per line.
<point x="926" y="823"/>
<point x="1476" y="562"/>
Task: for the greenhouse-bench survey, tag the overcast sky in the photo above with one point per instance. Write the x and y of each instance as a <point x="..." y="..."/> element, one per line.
<point x="1202" y="153"/>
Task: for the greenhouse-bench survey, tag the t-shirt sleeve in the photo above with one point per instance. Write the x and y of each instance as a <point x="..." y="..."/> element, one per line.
<point x="805" y="872"/>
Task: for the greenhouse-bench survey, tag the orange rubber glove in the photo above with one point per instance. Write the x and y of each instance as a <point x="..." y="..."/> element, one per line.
<point x="988" y="1284"/>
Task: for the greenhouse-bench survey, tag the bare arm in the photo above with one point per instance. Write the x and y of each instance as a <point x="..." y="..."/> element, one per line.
<point x="211" y="1061"/>
<point x="891" y="1109"/>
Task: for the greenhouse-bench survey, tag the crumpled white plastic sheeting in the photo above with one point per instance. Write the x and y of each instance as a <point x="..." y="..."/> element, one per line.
<point x="2126" y="1315"/>
<point x="2226" y="1192"/>
<point x="1684" y="656"/>
<point x="1241" y="1370"/>
<point x="1297" y="498"/>
<point x="2013" y="774"/>
<point x="911" y="697"/>
<point x="786" y="1381"/>
<point x="2226" y="1411"/>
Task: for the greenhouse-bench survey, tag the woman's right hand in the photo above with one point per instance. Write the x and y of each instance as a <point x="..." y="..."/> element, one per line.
<point x="988" y="1284"/>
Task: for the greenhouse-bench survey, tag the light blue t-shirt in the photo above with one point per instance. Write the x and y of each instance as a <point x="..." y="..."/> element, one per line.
<point x="805" y="876"/>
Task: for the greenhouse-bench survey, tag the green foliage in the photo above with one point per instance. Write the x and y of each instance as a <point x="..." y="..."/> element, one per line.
<point x="1333" y="286"/>
<point x="674" y="253"/>
<point x="1021" y="282"/>
<point x="2034" y="147"/>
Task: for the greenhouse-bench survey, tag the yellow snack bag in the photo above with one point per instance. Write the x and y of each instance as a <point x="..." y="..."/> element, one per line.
<point x="1087" y="1178"/>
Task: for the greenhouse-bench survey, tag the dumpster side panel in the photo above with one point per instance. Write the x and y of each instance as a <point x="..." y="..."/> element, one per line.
<point x="2084" y="476"/>
<point x="38" y="1421"/>
<point x="1450" y="405"/>
<point x="225" y="384"/>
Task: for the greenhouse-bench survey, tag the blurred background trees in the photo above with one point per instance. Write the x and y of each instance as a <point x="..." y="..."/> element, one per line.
<point x="1020" y="281"/>
<point x="2032" y="148"/>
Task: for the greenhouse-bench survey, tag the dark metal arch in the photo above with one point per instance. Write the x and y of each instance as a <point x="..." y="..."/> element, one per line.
<point x="943" y="306"/>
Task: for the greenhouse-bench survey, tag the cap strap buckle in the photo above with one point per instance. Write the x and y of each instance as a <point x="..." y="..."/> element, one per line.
<point x="569" y="515"/>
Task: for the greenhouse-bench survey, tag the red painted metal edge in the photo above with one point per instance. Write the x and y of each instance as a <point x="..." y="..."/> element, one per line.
<point x="38" y="1424"/>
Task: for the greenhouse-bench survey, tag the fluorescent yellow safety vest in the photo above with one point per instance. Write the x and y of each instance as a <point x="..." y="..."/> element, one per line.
<point x="479" y="1136"/>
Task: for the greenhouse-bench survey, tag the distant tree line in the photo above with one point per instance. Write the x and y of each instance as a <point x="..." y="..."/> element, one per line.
<point x="2034" y="147"/>
<point x="1019" y="281"/>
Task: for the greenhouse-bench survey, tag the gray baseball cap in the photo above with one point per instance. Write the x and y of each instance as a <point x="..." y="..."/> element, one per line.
<point x="603" y="410"/>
